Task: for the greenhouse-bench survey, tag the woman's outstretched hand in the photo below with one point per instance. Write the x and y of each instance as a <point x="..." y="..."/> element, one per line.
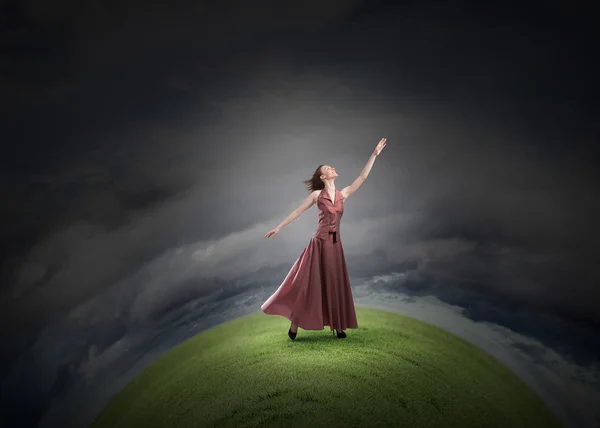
<point x="272" y="232"/>
<point x="380" y="146"/>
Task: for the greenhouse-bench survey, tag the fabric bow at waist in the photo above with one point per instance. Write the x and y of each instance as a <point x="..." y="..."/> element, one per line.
<point x="334" y="234"/>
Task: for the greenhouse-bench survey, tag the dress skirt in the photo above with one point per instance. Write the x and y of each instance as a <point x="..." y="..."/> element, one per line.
<point x="316" y="292"/>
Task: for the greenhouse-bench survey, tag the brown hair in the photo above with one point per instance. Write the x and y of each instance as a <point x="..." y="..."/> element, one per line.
<point x="315" y="182"/>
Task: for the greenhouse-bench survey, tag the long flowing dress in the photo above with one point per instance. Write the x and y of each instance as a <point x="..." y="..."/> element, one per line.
<point x="316" y="292"/>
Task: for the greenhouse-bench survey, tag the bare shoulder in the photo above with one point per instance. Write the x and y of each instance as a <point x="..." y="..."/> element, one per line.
<point x="315" y="195"/>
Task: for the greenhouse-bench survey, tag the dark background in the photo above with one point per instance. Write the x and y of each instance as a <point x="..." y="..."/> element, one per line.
<point x="134" y="131"/>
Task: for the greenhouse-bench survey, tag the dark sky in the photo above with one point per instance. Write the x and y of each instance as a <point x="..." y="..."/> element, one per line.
<point x="135" y="132"/>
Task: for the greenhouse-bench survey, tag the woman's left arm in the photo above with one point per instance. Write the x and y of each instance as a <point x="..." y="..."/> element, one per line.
<point x="347" y="191"/>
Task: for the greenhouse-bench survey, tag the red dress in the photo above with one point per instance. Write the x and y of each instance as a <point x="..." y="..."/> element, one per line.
<point x="316" y="292"/>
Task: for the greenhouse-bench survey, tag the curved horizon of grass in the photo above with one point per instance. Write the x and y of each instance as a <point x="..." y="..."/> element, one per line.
<point x="392" y="371"/>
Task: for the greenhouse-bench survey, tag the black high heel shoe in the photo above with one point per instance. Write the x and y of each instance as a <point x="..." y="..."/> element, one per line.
<point x="340" y="334"/>
<point x="292" y="335"/>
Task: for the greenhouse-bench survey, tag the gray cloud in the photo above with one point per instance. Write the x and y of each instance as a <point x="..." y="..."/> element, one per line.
<point x="463" y="218"/>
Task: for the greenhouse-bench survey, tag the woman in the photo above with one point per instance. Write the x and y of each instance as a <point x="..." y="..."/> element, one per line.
<point x="316" y="292"/>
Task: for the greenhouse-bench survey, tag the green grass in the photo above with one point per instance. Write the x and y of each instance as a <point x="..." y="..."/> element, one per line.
<point x="392" y="371"/>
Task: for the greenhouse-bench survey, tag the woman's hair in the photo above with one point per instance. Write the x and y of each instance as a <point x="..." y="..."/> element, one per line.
<point x="315" y="182"/>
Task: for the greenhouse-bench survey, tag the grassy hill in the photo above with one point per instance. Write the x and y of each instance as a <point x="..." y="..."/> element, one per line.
<point x="392" y="371"/>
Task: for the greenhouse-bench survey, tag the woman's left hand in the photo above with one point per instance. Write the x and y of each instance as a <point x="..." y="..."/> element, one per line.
<point x="380" y="146"/>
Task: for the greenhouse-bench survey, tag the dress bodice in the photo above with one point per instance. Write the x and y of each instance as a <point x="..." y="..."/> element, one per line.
<point x="329" y="214"/>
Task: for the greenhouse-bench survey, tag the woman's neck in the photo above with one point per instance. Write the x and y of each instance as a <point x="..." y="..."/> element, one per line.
<point x="330" y="188"/>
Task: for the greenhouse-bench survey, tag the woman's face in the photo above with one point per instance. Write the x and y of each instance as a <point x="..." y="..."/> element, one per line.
<point x="328" y="172"/>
